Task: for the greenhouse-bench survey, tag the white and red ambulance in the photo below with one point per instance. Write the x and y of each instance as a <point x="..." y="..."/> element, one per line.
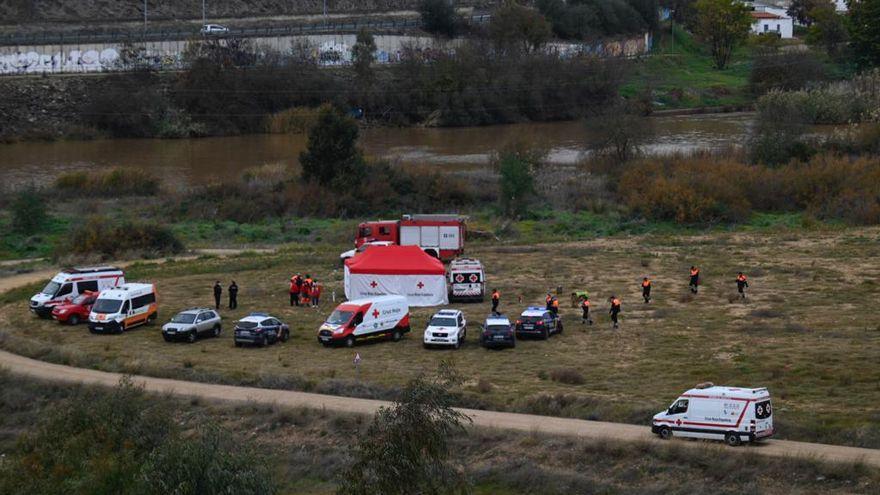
<point x="368" y="318"/>
<point x="69" y="283"/>
<point x="732" y="414"/>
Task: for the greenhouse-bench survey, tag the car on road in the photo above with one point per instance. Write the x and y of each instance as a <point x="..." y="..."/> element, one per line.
<point x="539" y="322"/>
<point x="190" y="324"/>
<point x="75" y="310"/>
<point x="447" y="328"/>
<point x="214" y="29"/>
<point x="260" y="329"/>
<point x="497" y="332"/>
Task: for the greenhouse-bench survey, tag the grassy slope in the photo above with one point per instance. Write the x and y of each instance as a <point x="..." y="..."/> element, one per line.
<point x="802" y="333"/>
<point x="313" y="447"/>
<point x="682" y="75"/>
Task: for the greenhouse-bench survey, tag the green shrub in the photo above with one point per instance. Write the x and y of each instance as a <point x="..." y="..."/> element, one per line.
<point x="28" y="211"/>
<point x="116" y="182"/>
<point x="99" y="235"/>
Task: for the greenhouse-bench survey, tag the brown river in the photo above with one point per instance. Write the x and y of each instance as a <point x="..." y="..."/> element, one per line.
<point x="184" y="162"/>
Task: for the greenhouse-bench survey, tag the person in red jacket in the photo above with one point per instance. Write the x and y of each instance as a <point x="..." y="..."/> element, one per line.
<point x="306" y="290"/>
<point x="295" y="283"/>
<point x="695" y="279"/>
<point x="316" y="293"/>
<point x="646" y="289"/>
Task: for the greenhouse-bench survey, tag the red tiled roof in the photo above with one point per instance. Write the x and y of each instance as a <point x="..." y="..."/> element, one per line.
<point x="765" y="15"/>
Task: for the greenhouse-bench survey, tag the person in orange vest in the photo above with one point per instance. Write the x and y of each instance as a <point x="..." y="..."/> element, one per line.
<point x="646" y="290"/>
<point x="295" y="282"/>
<point x="548" y="302"/>
<point x="614" y="311"/>
<point x="306" y="290"/>
<point x="496" y="298"/>
<point x="554" y="307"/>
<point x="741" y="284"/>
<point x="316" y="293"/>
<point x="585" y="306"/>
<point x="695" y="279"/>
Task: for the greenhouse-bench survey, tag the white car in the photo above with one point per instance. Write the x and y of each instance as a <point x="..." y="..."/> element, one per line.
<point x="214" y="29"/>
<point x="352" y="252"/>
<point x="447" y="327"/>
<point x="192" y="323"/>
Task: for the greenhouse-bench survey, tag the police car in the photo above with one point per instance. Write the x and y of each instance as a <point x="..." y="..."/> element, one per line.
<point x="539" y="322"/>
<point x="446" y="328"/>
<point x="260" y="329"/>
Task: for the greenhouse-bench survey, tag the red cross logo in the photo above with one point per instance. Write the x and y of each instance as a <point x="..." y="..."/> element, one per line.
<point x="375" y="313"/>
<point x="459" y="278"/>
<point x="678" y="422"/>
<point x="473" y="277"/>
<point x="420" y="285"/>
<point x="373" y="284"/>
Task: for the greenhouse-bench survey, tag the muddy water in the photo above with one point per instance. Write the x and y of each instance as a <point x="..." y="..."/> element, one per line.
<point x="194" y="161"/>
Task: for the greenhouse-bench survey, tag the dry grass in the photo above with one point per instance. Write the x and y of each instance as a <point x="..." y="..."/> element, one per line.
<point x="823" y="380"/>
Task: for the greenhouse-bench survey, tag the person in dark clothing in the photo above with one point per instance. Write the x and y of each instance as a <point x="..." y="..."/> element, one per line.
<point x="614" y="311"/>
<point x="646" y="290"/>
<point x="554" y="307"/>
<point x="233" y="295"/>
<point x="585" y="306"/>
<point x="496" y="298"/>
<point x="218" y="291"/>
<point x="695" y="279"/>
<point x="549" y="301"/>
<point x="741" y="284"/>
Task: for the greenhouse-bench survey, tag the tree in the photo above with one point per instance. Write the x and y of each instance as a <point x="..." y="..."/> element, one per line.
<point x="864" y="31"/>
<point x="799" y="10"/>
<point x="522" y="28"/>
<point x="331" y="157"/>
<point x="722" y="24"/>
<point x="438" y="17"/>
<point x="363" y="54"/>
<point x="28" y="211"/>
<point x="828" y="29"/>
<point x="619" y="132"/>
<point x="777" y="137"/>
<point x="406" y="448"/>
<point x="517" y="166"/>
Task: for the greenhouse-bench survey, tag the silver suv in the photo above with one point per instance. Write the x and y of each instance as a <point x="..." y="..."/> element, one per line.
<point x="192" y="323"/>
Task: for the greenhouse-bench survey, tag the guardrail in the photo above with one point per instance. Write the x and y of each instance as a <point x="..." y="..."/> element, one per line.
<point x="61" y="38"/>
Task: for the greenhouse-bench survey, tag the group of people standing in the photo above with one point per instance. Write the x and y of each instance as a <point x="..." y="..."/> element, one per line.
<point x="233" y="295"/>
<point x="305" y="291"/>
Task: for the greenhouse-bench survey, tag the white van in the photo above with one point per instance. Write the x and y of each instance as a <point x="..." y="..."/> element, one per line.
<point x="69" y="283"/>
<point x="467" y="282"/>
<point x="730" y="413"/>
<point x="367" y="318"/>
<point x="117" y="310"/>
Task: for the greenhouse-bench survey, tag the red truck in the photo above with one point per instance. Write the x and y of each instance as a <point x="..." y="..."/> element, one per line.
<point x="75" y="310"/>
<point x="441" y="236"/>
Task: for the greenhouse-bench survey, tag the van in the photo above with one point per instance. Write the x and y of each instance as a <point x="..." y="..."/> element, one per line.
<point x="122" y="308"/>
<point x="711" y="412"/>
<point x="69" y="283"/>
<point x="367" y="318"/>
<point x="467" y="282"/>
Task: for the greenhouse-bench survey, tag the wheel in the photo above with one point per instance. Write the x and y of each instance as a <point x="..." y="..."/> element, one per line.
<point x="732" y="439"/>
<point x="426" y="345"/>
<point x="92" y="330"/>
<point x="457" y="345"/>
<point x="545" y="334"/>
<point x="167" y="338"/>
<point x="349" y="341"/>
<point x="396" y="335"/>
<point x="237" y="344"/>
<point x="73" y="320"/>
<point x="665" y="433"/>
<point x="262" y="342"/>
<point x="216" y="332"/>
<point x="152" y="318"/>
<point x="121" y="327"/>
<point x="513" y="344"/>
<point x="559" y="326"/>
<point x="192" y="337"/>
<point x="285" y="335"/>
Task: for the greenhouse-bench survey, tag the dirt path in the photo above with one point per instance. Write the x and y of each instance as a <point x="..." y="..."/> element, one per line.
<point x="593" y="430"/>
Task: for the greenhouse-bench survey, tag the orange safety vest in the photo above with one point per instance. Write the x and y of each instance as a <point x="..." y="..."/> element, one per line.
<point x="615" y="303"/>
<point x="548" y="299"/>
<point x="555" y="303"/>
<point x="496" y="295"/>
<point x="586" y="303"/>
<point x="646" y="283"/>
<point x="695" y="272"/>
<point x="740" y="278"/>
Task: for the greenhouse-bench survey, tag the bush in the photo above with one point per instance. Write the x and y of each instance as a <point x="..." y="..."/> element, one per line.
<point x="332" y="158"/>
<point x="568" y="376"/>
<point x="786" y="71"/>
<point x="438" y="17"/>
<point x="115" y="183"/>
<point x="99" y="235"/>
<point x="28" y="211"/>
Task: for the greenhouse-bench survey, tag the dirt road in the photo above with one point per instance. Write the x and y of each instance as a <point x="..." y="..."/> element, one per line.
<point x="593" y="430"/>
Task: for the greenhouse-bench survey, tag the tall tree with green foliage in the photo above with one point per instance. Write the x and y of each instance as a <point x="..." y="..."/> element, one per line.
<point x="406" y="449"/>
<point x="363" y="54"/>
<point x="828" y="29"/>
<point x="332" y="157"/>
<point x="514" y="26"/>
<point x="722" y="24"/>
<point x="438" y="17"/>
<point x="517" y="166"/>
<point x="864" y="31"/>
<point x="799" y="10"/>
<point x="28" y="211"/>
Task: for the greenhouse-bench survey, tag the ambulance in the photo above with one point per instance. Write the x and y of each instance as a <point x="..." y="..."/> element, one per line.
<point x="69" y="283"/>
<point x="467" y="282"/>
<point x="122" y="308"/>
<point x="368" y="318"/>
<point x="732" y="414"/>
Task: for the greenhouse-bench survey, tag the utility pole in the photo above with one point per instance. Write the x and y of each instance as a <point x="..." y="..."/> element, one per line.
<point x="672" y="29"/>
<point x="145" y="15"/>
<point x="325" y="11"/>
<point x="204" y="13"/>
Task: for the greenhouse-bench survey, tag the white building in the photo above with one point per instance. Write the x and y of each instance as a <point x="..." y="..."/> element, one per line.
<point x="767" y="19"/>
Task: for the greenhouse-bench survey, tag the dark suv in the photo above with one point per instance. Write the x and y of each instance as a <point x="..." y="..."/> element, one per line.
<point x="497" y="332"/>
<point x="539" y="322"/>
<point x="260" y="329"/>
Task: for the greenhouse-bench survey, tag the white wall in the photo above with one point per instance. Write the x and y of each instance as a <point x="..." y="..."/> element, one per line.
<point x="785" y="27"/>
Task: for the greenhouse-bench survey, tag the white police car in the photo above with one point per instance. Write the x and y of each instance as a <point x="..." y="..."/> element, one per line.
<point x="447" y="327"/>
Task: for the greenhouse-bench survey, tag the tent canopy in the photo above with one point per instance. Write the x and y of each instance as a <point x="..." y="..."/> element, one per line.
<point x="395" y="260"/>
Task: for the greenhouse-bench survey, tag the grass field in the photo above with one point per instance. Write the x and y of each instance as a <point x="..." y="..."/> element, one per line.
<point x="809" y="330"/>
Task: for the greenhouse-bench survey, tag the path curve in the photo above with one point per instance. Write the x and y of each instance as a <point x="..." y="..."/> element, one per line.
<point x="594" y="430"/>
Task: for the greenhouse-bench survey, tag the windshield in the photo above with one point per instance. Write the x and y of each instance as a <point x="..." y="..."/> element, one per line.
<point x="338" y="317"/>
<point x="83" y="299"/>
<point x="107" y="306"/>
<point x="184" y="318"/>
<point x="498" y="328"/>
<point x="51" y="288"/>
<point x="439" y="321"/>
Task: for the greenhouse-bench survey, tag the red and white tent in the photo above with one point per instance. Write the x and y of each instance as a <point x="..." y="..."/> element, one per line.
<point x="397" y="270"/>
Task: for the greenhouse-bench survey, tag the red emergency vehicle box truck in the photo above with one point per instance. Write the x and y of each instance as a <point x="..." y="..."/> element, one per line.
<point x="441" y="236"/>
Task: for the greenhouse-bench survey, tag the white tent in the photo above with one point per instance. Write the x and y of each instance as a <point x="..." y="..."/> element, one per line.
<point x="398" y="270"/>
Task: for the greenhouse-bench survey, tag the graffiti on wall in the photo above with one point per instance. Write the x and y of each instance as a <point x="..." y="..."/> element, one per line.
<point x="30" y="62"/>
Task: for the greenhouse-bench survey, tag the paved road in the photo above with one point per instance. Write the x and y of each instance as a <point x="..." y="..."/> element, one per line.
<point x="595" y="430"/>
